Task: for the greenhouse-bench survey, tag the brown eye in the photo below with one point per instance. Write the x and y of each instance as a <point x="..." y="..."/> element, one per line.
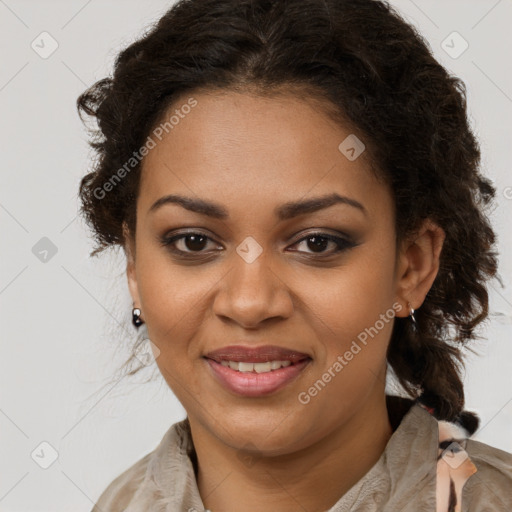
<point x="194" y="242"/>
<point x="186" y="243"/>
<point x="318" y="242"/>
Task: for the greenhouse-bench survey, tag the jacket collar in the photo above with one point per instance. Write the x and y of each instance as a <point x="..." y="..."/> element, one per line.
<point x="405" y="472"/>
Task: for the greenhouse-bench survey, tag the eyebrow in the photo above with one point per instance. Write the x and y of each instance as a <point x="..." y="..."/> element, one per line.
<point x="285" y="211"/>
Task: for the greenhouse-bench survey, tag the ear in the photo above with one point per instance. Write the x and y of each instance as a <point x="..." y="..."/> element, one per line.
<point x="129" y="250"/>
<point x="418" y="265"/>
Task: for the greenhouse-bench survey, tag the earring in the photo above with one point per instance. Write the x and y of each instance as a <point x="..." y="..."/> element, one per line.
<point x="136" y="319"/>
<point x="413" y="319"/>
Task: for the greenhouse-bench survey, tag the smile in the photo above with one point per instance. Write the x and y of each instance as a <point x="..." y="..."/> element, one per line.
<point x="256" y="379"/>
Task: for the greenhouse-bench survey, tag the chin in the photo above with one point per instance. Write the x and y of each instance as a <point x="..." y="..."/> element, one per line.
<point x="254" y="430"/>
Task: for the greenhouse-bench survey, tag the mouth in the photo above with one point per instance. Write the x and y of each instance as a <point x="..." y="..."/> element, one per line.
<point x="255" y="355"/>
<point x="258" y="367"/>
<point x="256" y="378"/>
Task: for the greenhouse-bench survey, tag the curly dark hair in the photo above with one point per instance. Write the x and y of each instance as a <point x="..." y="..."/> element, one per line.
<point x="379" y="75"/>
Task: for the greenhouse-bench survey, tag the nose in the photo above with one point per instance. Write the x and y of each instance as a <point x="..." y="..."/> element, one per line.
<point x="252" y="293"/>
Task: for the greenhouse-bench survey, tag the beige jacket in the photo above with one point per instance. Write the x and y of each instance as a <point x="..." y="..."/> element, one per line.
<point x="427" y="465"/>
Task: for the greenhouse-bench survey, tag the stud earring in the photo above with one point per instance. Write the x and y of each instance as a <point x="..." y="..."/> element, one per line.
<point x="413" y="319"/>
<point x="136" y="319"/>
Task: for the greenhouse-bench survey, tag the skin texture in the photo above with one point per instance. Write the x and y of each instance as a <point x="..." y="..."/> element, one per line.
<point x="252" y="154"/>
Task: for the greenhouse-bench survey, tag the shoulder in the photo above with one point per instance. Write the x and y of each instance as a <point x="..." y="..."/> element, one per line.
<point x="118" y="494"/>
<point x="490" y="488"/>
<point x="136" y="482"/>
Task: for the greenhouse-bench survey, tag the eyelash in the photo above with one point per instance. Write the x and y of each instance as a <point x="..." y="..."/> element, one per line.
<point x="342" y="244"/>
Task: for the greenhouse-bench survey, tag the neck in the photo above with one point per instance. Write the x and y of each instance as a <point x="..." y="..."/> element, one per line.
<point x="313" y="479"/>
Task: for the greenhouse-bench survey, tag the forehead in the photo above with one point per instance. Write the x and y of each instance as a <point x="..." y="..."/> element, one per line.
<point x="254" y="152"/>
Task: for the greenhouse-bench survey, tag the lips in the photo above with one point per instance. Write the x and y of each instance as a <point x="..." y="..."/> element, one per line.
<point x="261" y="354"/>
<point x="256" y="385"/>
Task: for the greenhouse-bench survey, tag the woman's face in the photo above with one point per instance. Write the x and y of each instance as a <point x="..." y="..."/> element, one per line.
<point x="260" y="269"/>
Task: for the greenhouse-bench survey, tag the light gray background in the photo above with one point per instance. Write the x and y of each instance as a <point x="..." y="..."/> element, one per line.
<point x="59" y="319"/>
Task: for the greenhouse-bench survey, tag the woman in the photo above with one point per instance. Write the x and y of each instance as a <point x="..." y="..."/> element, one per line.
<point x="297" y="191"/>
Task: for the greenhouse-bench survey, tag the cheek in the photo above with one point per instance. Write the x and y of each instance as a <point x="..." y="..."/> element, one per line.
<point x="164" y="287"/>
<point x="354" y="330"/>
<point x="171" y="300"/>
<point x="356" y="323"/>
<point x="353" y="296"/>
<point x="167" y="297"/>
<point x="174" y="300"/>
<point x="353" y="314"/>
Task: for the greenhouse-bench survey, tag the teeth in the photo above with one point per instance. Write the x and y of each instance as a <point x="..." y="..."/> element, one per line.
<point x="257" y="367"/>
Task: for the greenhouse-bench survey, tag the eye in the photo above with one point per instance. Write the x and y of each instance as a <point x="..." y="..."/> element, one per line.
<point x="193" y="242"/>
<point x="189" y="243"/>
<point x="319" y="241"/>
